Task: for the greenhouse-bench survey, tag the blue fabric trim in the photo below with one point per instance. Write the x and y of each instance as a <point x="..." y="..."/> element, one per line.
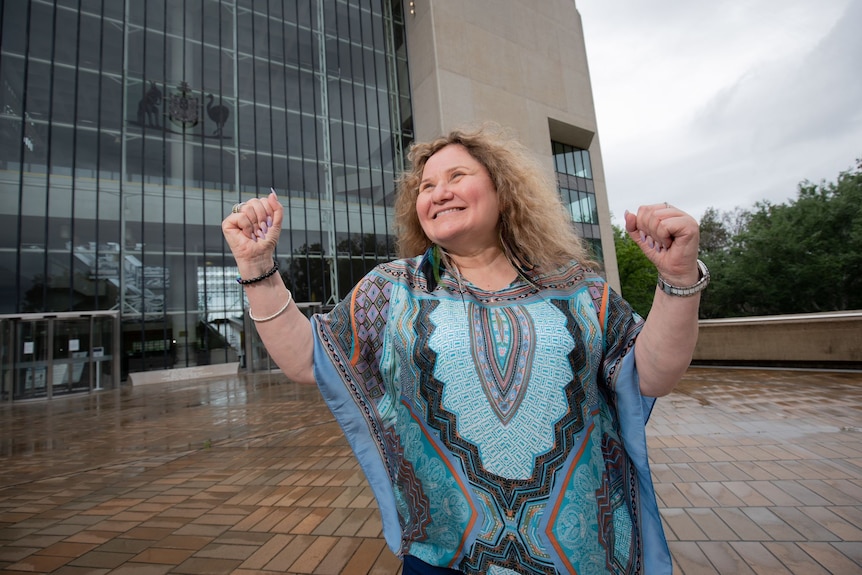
<point x="415" y="566"/>
<point x="359" y="436"/>
<point x="634" y="411"/>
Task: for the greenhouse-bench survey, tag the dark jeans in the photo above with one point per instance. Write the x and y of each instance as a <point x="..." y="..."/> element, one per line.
<point x="414" y="566"/>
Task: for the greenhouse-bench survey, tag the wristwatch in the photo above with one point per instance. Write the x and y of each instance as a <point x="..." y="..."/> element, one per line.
<point x="697" y="287"/>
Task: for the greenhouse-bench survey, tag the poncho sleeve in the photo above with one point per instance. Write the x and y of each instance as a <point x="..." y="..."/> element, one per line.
<point x="621" y="326"/>
<point x="347" y="347"/>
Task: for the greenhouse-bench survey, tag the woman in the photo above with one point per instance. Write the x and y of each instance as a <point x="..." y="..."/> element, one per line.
<point x="492" y="387"/>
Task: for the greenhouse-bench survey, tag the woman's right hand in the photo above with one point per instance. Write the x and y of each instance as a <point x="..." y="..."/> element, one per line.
<point x="252" y="233"/>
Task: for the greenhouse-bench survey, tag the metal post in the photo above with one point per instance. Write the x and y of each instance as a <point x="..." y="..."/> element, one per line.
<point x="49" y="368"/>
<point x="328" y="210"/>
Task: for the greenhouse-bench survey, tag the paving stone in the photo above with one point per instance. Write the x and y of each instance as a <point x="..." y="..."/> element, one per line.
<point x="756" y="471"/>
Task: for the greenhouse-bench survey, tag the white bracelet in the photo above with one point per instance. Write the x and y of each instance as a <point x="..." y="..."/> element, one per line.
<point x="276" y="314"/>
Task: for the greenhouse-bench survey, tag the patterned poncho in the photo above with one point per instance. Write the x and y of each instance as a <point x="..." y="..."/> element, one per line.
<point x="501" y="432"/>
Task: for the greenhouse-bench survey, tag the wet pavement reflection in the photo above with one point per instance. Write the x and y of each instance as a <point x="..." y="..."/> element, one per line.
<point x="756" y="471"/>
<point x="49" y="437"/>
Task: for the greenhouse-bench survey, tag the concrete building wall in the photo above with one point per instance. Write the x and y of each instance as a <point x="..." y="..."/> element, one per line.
<point x="520" y="63"/>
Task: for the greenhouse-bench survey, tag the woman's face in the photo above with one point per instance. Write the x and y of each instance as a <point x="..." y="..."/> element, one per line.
<point x="457" y="203"/>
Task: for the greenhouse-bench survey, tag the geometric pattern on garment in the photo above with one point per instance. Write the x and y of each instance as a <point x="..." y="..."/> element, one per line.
<point x="574" y="522"/>
<point x="398" y="406"/>
<point x="500" y="339"/>
<point x="443" y="495"/>
<point x="495" y="570"/>
<point x="506" y="449"/>
<point x="616" y="521"/>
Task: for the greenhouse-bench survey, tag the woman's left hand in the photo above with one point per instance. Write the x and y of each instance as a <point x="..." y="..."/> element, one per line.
<point x="670" y="239"/>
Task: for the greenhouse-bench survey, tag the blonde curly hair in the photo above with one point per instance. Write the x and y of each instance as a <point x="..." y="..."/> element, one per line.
<point x="534" y="223"/>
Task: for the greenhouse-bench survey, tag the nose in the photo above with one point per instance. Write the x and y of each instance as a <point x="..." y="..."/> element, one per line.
<point x="441" y="192"/>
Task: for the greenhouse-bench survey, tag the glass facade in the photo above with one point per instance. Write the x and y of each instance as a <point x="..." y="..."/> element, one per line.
<point x="575" y="182"/>
<point x="129" y="129"/>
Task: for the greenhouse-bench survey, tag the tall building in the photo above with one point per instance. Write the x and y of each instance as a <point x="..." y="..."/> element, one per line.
<point x="129" y="129"/>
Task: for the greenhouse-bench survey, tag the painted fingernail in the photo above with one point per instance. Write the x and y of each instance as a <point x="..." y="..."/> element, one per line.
<point x="269" y="221"/>
<point x="264" y="227"/>
<point x="643" y="237"/>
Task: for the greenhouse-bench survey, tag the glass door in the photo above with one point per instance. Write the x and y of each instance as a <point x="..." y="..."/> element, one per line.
<point x="7" y="359"/>
<point x="41" y="357"/>
<point x="33" y="359"/>
<point x="102" y="354"/>
<point x="71" y="347"/>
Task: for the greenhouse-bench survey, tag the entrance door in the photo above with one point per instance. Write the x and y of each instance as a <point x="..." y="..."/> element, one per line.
<point x="32" y="359"/>
<point x="104" y="366"/>
<point x="71" y="355"/>
<point x="44" y="356"/>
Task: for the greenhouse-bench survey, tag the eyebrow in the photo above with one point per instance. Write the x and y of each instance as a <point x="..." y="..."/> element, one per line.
<point x="449" y="171"/>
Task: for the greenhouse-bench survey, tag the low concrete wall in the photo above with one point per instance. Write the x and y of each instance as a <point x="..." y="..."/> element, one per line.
<point x="813" y="340"/>
<point x="805" y="340"/>
<point x="183" y="373"/>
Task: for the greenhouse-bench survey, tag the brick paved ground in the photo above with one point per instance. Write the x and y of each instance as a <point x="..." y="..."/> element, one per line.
<point x="757" y="472"/>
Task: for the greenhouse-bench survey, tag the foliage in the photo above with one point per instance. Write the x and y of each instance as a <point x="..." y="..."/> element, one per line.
<point x="799" y="257"/>
<point x="309" y="272"/>
<point x="714" y="236"/>
<point x="357" y="256"/>
<point x="307" y="275"/>
<point x="637" y="274"/>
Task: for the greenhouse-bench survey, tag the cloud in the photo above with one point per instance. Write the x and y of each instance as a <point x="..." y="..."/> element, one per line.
<point x="724" y="103"/>
<point x="794" y="100"/>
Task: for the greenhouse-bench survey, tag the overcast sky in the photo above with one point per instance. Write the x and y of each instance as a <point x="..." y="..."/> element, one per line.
<point x="723" y="103"/>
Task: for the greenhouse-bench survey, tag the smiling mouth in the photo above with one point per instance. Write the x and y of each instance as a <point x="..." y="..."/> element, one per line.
<point x="449" y="211"/>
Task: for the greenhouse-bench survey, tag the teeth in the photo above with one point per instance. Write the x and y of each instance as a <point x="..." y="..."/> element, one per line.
<point x="447" y="212"/>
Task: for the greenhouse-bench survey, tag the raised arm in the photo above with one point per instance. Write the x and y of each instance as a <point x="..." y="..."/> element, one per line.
<point x="670" y="238"/>
<point x="252" y="231"/>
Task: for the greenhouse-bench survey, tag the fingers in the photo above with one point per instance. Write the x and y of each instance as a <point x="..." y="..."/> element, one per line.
<point x="669" y="238"/>
<point x="277" y="209"/>
<point x="653" y="227"/>
<point x="259" y="219"/>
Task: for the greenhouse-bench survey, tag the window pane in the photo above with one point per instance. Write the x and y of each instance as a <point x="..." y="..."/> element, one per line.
<point x="66" y="50"/>
<point x="41" y="30"/>
<point x="14" y="26"/>
<point x="579" y="164"/>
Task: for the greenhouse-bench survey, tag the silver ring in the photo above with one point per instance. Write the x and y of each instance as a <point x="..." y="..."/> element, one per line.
<point x="236" y="208"/>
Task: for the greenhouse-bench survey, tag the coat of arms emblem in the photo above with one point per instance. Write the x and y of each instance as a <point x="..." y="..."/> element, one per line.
<point x="183" y="108"/>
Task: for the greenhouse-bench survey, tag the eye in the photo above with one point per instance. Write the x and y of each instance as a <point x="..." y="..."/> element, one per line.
<point x="456" y="176"/>
<point x="425" y="187"/>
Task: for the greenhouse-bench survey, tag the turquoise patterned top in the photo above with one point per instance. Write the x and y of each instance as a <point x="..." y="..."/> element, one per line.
<point x="501" y="432"/>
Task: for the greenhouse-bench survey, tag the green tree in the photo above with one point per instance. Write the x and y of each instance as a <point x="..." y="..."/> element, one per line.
<point x="798" y="257"/>
<point x="638" y="275"/>
<point x="715" y="243"/>
<point x="714" y="235"/>
<point x="307" y="275"/>
<point x="357" y="255"/>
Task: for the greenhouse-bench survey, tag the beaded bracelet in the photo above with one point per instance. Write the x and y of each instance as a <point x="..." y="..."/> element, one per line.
<point x="261" y="277"/>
